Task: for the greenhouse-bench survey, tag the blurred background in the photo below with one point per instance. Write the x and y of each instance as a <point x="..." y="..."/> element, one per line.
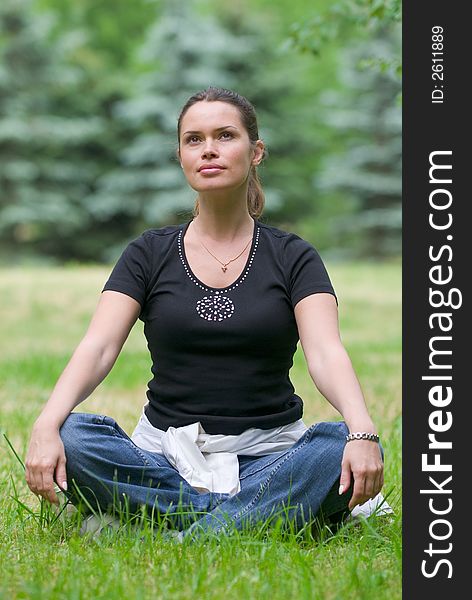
<point x="90" y="92"/>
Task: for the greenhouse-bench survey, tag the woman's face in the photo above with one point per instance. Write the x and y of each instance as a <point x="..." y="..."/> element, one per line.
<point x="213" y="136"/>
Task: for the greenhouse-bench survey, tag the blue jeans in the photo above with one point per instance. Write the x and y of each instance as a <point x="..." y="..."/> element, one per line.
<point x="107" y="471"/>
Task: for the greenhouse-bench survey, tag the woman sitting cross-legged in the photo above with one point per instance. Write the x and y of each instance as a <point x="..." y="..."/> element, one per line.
<point x="224" y="299"/>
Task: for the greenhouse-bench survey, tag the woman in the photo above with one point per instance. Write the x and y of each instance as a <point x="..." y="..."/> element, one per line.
<point x="224" y="299"/>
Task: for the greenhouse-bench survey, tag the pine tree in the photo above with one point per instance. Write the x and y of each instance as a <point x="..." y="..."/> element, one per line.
<point x="54" y="139"/>
<point x="360" y="180"/>
<point x="87" y="154"/>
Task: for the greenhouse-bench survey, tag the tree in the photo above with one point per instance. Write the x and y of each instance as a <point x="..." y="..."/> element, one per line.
<point x="113" y="28"/>
<point x="53" y="137"/>
<point x="88" y="147"/>
<point x="360" y="180"/>
<point x="339" y="20"/>
<point x="359" y="183"/>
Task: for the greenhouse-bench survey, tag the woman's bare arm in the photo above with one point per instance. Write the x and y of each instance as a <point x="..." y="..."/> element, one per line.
<point x="91" y="362"/>
<point x="332" y="372"/>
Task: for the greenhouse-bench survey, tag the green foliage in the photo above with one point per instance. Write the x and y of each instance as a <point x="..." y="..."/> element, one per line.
<point x="113" y="28"/>
<point x="359" y="185"/>
<point x="88" y="115"/>
<point x="54" y="139"/>
<point x="312" y="34"/>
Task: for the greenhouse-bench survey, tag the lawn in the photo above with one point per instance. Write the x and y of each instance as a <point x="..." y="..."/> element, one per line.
<point x="43" y="314"/>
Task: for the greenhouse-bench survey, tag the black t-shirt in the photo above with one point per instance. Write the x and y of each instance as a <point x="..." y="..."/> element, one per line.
<point x="220" y="356"/>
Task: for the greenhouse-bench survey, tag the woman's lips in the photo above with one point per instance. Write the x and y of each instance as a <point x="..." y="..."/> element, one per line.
<point x="208" y="170"/>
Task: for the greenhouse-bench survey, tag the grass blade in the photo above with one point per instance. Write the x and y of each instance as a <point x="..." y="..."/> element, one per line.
<point x="14" y="451"/>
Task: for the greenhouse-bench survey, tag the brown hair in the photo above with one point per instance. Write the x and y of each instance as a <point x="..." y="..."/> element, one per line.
<point x="255" y="194"/>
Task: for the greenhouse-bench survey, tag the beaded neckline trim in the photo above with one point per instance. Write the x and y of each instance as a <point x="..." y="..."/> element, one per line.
<point x="218" y="291"/>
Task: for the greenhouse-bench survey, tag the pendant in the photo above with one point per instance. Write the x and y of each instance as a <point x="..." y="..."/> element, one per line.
<point x="224" y="269"/>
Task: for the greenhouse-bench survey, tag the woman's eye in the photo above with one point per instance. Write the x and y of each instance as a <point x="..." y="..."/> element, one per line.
<point x="193" y="139"/>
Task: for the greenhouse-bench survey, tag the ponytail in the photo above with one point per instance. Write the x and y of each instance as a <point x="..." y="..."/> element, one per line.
<point x="255" y="195"/>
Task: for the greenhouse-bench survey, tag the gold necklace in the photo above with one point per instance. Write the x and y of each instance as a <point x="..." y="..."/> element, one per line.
<point x="225" y="265"/>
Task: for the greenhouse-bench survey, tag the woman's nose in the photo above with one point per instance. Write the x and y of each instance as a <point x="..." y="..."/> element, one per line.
<point x="209" y="149"/>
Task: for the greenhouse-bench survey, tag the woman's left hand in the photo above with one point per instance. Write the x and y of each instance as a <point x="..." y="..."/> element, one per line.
<point x="362" y="467"/>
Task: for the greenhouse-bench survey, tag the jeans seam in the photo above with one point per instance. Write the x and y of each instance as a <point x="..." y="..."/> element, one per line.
<point x="133" y="446"/>
<point x="258" y="470"/>
<point x="263" y="487"/>
<point x="276" y="458"/>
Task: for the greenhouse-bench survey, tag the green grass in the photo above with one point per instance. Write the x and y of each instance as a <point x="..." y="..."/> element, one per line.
<point x="43" y="314"/>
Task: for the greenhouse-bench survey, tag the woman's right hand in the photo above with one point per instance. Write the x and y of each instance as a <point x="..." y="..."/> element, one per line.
<point x="92" y="360"/>
<point x="46" y="463"/>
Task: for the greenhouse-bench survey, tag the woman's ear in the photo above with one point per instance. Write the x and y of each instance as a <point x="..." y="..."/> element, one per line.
<point x="259" y="153"/>
<point x="177" y="154"/>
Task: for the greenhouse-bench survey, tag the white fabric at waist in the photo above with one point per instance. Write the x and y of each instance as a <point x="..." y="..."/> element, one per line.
<point x="209" y="462"/>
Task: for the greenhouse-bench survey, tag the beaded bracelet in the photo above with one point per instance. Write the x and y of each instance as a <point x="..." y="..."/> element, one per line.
<point x="362" y="435"/>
